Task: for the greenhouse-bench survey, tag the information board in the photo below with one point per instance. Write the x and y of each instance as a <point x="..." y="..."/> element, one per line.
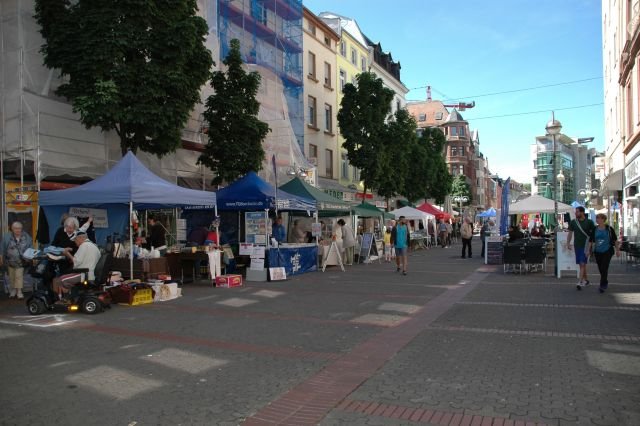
<point x="493" y="250"/>
<point x="100" y="217"/>
<point x="365" y="246"/>
<point x="255" y="227"/>
<point x="566" y="256"/>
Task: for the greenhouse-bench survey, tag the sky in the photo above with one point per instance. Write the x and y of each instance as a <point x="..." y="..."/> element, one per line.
<point x="468" y="48"/>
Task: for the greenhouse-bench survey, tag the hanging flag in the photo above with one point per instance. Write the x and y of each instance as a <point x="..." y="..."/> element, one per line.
<point x="504" y="213"/>
<point x="275" y="173"/>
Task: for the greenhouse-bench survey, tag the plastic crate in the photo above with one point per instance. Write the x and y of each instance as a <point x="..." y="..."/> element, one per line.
<point x="142" y="297"/>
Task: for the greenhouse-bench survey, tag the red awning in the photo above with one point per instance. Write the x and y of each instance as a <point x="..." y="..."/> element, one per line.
<point x="439" y="214"/>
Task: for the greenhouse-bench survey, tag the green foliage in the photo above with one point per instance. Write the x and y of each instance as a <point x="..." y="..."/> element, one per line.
<point x="460" y="187"/>
<point x="396" y="155"/>
<point x="363" y="111"/>
<point x="132" y="66"/>
<point x="235" y="132"/>
<point x="439" y="180"/>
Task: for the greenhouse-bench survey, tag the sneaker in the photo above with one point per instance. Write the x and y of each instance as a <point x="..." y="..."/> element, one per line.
<point x="580" y="285"/>
<point x="586" y="283"/>
<point x="462" y="257"/>
<point x="602" y="290"/>
<point x="12" y="294"/>
<point x="397" y="269"/>
<point x="20" y="295"/>
<point x="404" y="272"/>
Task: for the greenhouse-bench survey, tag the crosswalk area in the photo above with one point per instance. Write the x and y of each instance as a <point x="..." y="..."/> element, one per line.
<point x="41" y="321"/>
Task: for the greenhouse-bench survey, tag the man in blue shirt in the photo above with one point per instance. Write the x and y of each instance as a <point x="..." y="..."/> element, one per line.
<point x="278" y="232"/>
<point x="400" y="239"/>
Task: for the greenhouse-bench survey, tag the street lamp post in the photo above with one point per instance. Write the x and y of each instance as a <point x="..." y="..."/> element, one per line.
<point x="553" y="128"/>
<point x="460" y="199"/>
<point x="587" y="194"/>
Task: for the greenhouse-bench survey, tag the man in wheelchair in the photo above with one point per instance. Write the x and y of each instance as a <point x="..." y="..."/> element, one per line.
<point x="85" y="259"/>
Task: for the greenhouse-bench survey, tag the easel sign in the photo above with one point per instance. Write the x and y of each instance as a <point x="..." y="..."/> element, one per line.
<point x="333" y="248"/>
<point x="277" y="274"/>
<point x="367" y="248"/>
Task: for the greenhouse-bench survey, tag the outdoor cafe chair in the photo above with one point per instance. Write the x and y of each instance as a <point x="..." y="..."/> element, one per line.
<point x="513" y="257"/>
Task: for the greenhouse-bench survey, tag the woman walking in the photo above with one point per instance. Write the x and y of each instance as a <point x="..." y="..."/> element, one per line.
<point x="605" y="243"/>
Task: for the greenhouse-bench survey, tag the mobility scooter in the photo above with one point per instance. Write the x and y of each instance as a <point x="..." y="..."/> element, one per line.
<point x="87" y="296"/>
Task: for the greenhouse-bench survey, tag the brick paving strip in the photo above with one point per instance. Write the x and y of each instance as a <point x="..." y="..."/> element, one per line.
<point x="421" y="415"/>
<point x="213" y="343"/>
<point x="310" y="401"/>
<point x="535" y="333"/>
<point x="553" y="305"/>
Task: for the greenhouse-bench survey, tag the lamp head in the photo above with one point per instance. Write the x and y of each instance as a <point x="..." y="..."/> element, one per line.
<point x="553" y="127"/>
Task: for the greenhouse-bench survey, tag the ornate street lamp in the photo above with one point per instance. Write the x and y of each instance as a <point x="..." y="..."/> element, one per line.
<point x="460" y="199"/>
<point x="553" y="128"/>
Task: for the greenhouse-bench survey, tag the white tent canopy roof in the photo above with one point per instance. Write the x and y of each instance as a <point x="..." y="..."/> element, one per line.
<point x="538" y="204"/>
<point x="412" y="214"/>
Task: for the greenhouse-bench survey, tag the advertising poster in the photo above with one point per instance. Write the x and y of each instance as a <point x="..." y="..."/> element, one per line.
<point x="255" y="227"/>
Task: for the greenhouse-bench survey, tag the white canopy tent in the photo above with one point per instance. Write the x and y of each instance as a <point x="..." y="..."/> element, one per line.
<point x="538" y="204"/>
<point x="414" y="214"/>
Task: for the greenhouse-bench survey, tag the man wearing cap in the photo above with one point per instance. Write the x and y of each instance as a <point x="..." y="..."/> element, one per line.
<point x="86" y="257"/>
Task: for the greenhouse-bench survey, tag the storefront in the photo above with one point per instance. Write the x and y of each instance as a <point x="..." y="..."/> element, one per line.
<point x="631" y="203"/>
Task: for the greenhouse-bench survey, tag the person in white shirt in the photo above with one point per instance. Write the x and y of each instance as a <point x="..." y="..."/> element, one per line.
<point x="348" y="241"/>
<point x="86" y="257"/>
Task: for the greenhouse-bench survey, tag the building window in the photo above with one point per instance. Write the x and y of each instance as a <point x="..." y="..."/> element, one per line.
<point x="313" y="151"/>
<point x="343" y="49"/>
<point x="327" y="74"/>
<point x="354" y="57"/>
<point x="461" y="151"/>
<point x="356" y="175"/>
<point x="312" y="112"/>
<point x="328" y="118"/>
<point x="329" y="163"/>
<point x="312" y="65"/>
<point x="327" y="41"/>
<point x="363" y="64"/>
<point x="454" y="151"/>
<point x="344" y="166"/>
<point x="353" y="80"/>
<point x="453" y="131"/>
<point x="461" y="169"/>
<point x="461" y="131"/>
<point x="422" y="117"/>
<point x="438" y="116"/>
<point x="312" y="28"/>
<point x="343" y="80"/>
<point x="399" y="107"/>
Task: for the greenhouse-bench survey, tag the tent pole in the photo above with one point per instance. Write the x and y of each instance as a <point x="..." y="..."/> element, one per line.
<point x="215" y="213"/>
<point x="131" y="240"/>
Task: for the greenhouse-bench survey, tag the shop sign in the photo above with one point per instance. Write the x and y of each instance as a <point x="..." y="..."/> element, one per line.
<point x="632" y="171"/>
<point x="361" y="195"/>
<point x="100" y="217"/>
<point x="348" y="196"/>
<point x="334" y="193"/>
<point x="381" y="204"/>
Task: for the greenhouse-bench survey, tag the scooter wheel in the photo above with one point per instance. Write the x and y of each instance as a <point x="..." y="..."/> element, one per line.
<point x="36" y="307"/>
<point x="91" y="305"/>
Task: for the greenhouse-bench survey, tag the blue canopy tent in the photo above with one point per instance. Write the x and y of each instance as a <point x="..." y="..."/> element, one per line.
<point x="252" y="193"/>
<point x="127" y="185"/>
<point x="491" y="212"/>
<point x="577" y="204"/>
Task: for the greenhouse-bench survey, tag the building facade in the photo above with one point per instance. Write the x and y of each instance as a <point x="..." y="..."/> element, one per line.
<point x="462" y="151"/>
<point x="621" y="58"/>
<point x="381" y="63"/>
<point x="575" y="163"/>
<point x="320" y="100"/>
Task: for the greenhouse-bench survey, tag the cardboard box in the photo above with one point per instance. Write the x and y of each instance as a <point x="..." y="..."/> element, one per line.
<point x="229" y="281"/>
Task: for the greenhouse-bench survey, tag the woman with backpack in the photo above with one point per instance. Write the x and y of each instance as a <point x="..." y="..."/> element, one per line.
<point x="605" y="244"/>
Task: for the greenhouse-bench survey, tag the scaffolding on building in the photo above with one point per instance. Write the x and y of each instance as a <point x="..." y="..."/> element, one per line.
<point x="42" y="139"/>
<point x="270" y="35"/>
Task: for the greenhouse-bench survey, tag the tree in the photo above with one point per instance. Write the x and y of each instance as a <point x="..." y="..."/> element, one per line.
<point x="460" y="187"/>
<point x="235" y="132"/>
<point x="132" y="66"/>
<point x="396" y="155"/>
<point x="440" y="180"/>
<point x="362" y="120"/>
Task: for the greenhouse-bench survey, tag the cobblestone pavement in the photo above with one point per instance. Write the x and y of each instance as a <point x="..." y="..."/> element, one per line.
<point x="453" y="343"/>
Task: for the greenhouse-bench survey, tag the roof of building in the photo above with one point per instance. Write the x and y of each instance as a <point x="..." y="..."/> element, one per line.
<point x="348" y="24"/>
<point x="324" y="25"/>
<point x="429" y="109"/>
<point x="454" y="117"/>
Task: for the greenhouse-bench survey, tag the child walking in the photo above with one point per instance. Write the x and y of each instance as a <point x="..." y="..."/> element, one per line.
<point x="387" y="246"/>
